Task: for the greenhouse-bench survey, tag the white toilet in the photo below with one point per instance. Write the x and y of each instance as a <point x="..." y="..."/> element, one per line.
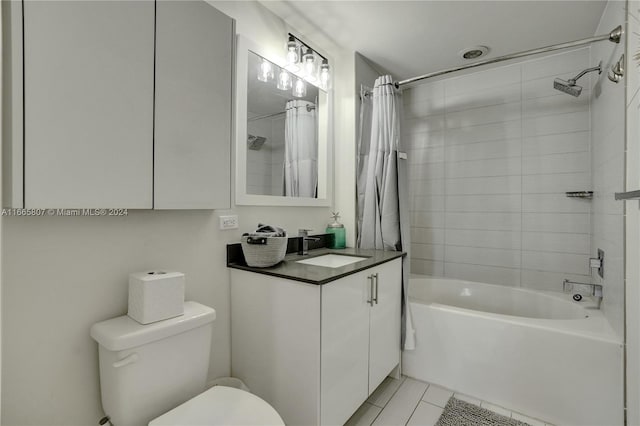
<point x="147" y="372"/>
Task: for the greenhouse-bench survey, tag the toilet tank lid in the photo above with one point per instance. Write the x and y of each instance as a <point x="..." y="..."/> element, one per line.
<point x="122" y="333"/>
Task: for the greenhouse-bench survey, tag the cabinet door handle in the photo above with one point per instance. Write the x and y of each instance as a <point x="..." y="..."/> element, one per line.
<point x="375" y="298"/>
<point x="370" y="301"/>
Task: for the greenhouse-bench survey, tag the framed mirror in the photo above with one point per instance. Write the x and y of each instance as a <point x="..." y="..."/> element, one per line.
<point x="282" y="124"/>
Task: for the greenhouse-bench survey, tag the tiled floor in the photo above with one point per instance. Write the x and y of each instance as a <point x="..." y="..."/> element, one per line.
<point x="414" y="403"/>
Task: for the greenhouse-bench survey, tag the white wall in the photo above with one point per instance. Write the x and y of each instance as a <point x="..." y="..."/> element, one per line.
<point x="607" y="165"/>
<point x="62" y="274"/>
<point x="491" y="154"/>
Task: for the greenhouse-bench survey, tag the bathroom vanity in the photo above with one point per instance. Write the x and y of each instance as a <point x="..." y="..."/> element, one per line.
<point x="315" y="341"/>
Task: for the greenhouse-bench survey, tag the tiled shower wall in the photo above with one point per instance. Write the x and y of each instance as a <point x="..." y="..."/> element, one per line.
<point x="491" y="155"/>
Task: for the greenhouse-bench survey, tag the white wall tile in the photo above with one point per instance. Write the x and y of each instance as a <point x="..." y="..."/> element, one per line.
<point x="573" y="162"/>
<point x="427" y="235"/>
<point x="555" y="242"/>
<point x="559" y="103"/>
<point x="556" y="262"/>
<point x="554" y="203"/>
<point x="496" y="77"/>
<point x="427" y="267"/>
<point x="552" y="124"/>
<point x="486" y="132"/>
<point x="484" y="221"/>
<point x="482" y="238"/>
<point x="426" y="186"/>
<point x="554" y="222"/>
<point x="422" y="140"/>
<point x="423" y="124"/>
<point x="555" y="64"/>
<point x="485" y="274"/>
<point x="487" y="97"/>
<point x="556" y="144"/>
<point x="487" y="167"/>
<point x="427" y="203"/>
<point x="484" y="185"/>
<point x="427" y="155"/>
<point x="427" y="219"/>
<point x="427" y="251"/>
<point x="484" y="203"/>
<point x="484" y="150"/>
<point x="556" y="183"/>
<point x="483" y="115"/>
<point x="430" y="171"/>
<point x="482" y="256"/>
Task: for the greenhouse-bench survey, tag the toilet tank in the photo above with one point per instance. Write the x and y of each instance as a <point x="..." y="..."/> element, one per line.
<point x="147" y="370"/>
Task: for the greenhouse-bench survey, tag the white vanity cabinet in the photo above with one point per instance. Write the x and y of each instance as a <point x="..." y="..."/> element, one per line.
<point x="316" y="352"/>
<point x="112" y="104"/>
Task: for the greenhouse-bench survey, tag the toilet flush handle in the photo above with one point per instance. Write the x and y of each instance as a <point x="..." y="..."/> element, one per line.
<point x="129" y="359"/>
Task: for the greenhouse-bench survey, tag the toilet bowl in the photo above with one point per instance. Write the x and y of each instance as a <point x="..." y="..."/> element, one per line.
<point x="156" y="374"/>
<point x="221" y="405"/>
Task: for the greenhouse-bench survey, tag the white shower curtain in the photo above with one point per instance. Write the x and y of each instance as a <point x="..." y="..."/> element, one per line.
<point x="301" y="149"/>
<point x="383" y="221"/>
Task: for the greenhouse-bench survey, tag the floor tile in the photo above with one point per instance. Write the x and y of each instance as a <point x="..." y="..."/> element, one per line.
<point x="523" y="418"/>
<point x="425" y="415"/>
<point x="437" y="395"/>
<point x="402" y="404"/>
<point x="364" y="416"/>
<point x="496" y="409"/>
<point x="385" y="391"/>
<point x="467" y="398"/>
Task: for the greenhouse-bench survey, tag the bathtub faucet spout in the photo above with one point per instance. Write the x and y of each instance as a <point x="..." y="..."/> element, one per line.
<point x="596" y="290"/>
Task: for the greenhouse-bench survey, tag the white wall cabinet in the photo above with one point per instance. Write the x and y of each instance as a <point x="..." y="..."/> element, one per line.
<point x="95" y="74"/>
<point x="316" y="352"/>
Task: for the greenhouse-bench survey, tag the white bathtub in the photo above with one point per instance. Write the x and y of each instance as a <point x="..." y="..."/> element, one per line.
<point x="538" y="353"/>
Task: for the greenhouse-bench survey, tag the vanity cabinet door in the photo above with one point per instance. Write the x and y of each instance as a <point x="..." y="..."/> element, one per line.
<point x="384" y="319"/>
<point x="88" y="104"/>
<point x="194" y="65"/>
<point x="344" y="347"/>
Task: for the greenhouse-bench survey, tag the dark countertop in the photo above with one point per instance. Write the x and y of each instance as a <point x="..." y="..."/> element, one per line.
<point x="291" y="270"/>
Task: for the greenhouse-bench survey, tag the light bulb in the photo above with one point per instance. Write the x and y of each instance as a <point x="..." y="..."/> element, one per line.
<point x="325" y="76"/>
<point x="309" y="64"/>
<point x="299" y="88"/>
<point x="292" y="55"/>
<point x="284" y="80"/>
<point x="265" y="73"/>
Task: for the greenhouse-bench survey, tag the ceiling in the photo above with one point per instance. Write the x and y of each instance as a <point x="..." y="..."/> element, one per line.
<point x="410" y="38"/>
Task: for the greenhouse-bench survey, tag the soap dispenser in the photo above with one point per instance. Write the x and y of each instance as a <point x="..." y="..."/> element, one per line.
<point x="337" y="229"/>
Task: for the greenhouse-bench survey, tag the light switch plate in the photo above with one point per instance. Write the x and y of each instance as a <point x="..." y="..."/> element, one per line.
<point x="229" y="222"/>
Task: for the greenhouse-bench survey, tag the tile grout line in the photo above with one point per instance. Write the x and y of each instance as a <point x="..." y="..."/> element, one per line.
<point x="418" y="403"/>
<point x="387" y="403"/>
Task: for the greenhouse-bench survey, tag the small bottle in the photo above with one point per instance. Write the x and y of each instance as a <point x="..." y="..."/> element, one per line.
<point x="337" y="229"/>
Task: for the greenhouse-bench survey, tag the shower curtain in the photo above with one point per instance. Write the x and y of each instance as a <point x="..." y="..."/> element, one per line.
<point x="301" y="149"/>
<point x="382" y="181"/>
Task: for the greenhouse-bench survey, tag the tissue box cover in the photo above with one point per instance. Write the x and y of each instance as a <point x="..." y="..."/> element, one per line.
<point x="155" y="296"/>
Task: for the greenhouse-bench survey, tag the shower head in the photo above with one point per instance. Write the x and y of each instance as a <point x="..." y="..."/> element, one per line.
<point x="570" y="87"/>
<point x="255" y="142"/>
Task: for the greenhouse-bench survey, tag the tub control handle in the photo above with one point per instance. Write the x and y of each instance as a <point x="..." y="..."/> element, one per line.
<point x="129" y="359"/>
<point x="375" y="298"/>
<point x="370" y="301"/>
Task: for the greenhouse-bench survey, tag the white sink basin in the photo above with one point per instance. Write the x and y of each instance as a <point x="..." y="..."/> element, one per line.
<point x="332" y="260"/>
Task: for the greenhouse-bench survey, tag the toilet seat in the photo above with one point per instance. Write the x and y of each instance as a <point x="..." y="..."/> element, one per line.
<point x="221" y="405"/>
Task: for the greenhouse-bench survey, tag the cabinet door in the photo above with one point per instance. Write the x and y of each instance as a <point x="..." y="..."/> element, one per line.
<point x="194" y="63"/>
<point x="384" y="341"/>
<point x="344" y="348"/>
<point x="88" y="102"/>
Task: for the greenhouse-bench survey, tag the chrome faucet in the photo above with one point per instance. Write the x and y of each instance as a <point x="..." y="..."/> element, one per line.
<point x="303" y="247"/>
<point x="596" y="290"/>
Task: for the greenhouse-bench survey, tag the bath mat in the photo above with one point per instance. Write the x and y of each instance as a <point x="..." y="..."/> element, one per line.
<point x="461" y="413"/>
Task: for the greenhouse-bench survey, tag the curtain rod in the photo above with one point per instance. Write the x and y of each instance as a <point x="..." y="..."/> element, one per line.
<point x="260" y="117"/>
<point x="614" y="36"/>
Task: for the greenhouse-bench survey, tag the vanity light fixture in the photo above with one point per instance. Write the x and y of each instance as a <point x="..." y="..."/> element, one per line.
<point x="307" y="63"/>
<point x="265" y="73"/>
<point x="300" y="88"/>
<point x="284" y="80"/>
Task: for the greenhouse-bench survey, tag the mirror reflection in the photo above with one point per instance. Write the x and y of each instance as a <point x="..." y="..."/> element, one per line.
<point x="282" y="127"/>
